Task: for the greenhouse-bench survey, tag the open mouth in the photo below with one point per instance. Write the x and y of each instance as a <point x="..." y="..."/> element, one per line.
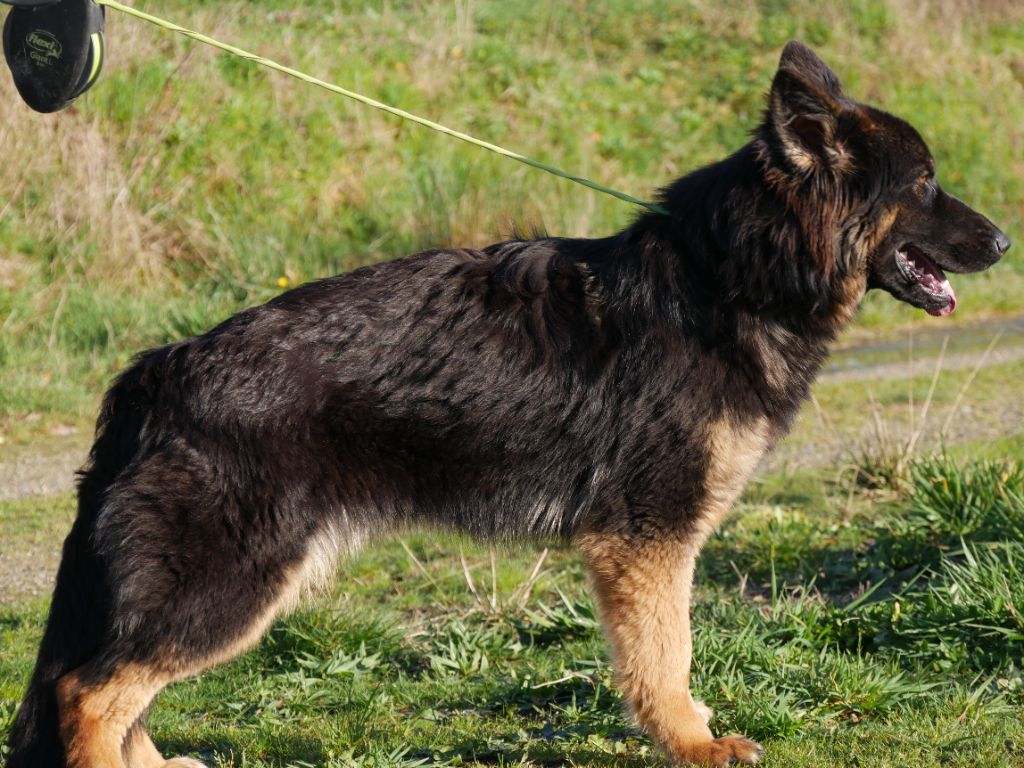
<point x="917" y="268"/>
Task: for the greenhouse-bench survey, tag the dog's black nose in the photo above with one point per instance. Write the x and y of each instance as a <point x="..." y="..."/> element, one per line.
<point x="1002" y="243"/>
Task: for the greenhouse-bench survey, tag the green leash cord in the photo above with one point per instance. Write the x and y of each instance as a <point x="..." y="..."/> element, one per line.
<point x="380" y="105"/>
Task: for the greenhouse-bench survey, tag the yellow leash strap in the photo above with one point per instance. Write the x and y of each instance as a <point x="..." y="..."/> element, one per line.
<point x="268" y="63"/>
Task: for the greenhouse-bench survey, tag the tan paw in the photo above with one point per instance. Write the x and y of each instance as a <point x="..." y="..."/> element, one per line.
<point x="184" y="762"/>
<point x="720" y="753"/>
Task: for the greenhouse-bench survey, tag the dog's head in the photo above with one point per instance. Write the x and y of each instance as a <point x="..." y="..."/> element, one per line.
<point x="863" y="184"/>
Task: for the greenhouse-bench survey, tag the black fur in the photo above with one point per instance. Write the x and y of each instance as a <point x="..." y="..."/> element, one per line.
<point x="531" y="389"/>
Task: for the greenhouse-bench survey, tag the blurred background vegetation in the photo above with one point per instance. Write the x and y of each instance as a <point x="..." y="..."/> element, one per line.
<point x="188" y="184"/>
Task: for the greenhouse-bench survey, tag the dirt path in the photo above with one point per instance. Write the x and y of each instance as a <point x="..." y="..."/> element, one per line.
<point x="28" y="573"/>
<point x="925" y="366"/>
<point x="45" y="469"/>
<point x="817" y="440"/>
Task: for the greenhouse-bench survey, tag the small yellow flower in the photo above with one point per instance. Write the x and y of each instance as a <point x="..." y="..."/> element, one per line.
<point x="457" y="52"/>
<point x="283" y="282"/>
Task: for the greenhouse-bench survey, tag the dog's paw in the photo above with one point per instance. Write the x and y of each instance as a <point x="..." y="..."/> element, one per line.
<point x="183" y="762"/>
<point x="720" y="753"/>
<point x="737" y="750"/>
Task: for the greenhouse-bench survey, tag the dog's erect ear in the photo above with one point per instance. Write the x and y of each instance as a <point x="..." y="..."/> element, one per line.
<point x="803" y="106"/>
<point x="805" y="63"/>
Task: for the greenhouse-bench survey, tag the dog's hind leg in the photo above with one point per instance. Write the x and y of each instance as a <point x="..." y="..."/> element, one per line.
<point x="99" y="716"/>
<point x="642" y="583"/>
<point x="140" y="752"/>
<point x="101" y="703"/>
<point x="97" y="710"/>
<point x="187" y="591"/>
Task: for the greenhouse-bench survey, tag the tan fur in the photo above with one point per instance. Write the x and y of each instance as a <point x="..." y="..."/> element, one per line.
<point x="139" y="750"/>
<point x="643" y="584"/>
<point x="851" y="292"/>
<point x="853" y="288"/>
<point x="803" y="160"/>
<point x="643" y="590"/>
<point x="318" y="569"/>
<point x="769" y="341"/>
<point x="736" y="449"/>
<point x="875" y="233"/>
<point x="94" y="719"/>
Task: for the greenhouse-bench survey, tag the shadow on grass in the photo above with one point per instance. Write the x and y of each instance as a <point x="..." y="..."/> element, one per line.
<point x="537" y="748"/>
<point x="945" y="507"/>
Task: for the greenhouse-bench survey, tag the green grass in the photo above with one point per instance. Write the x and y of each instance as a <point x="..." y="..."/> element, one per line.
<point x="836" y="628"/>
<point x="187" y="184"/>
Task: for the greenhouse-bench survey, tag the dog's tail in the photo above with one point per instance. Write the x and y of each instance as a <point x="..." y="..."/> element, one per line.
<point x="79" y="610"/>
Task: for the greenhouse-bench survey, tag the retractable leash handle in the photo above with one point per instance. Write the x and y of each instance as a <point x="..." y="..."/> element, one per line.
<point x="54" y="49"/>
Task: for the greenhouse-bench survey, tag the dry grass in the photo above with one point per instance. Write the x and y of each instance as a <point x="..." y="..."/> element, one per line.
<point x="82" y="172"/>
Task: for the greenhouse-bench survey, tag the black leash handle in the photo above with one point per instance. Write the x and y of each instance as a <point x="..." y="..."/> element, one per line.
<point x="54" y="49"/>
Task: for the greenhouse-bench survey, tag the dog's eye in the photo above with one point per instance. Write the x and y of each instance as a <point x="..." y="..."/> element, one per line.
<point x="925" y="179"/>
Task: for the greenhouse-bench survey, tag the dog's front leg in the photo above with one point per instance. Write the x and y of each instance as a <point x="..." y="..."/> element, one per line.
<point x="643" y="583"/>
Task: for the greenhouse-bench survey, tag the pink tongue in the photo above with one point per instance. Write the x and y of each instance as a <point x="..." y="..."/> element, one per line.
<point x="948" y="309"/>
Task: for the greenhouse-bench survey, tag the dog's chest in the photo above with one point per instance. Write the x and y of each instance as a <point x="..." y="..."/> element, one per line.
<point x="735" y="447"/>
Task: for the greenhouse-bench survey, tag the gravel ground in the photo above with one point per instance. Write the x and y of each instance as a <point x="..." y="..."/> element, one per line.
<point x="925" y="366"/>
<point x="28" y="574"/>
<point x="820" y="444"/>
<point x="44" y="470"/>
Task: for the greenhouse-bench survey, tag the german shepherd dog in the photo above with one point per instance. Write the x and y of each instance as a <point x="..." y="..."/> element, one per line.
<point x="616" y="392"/>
